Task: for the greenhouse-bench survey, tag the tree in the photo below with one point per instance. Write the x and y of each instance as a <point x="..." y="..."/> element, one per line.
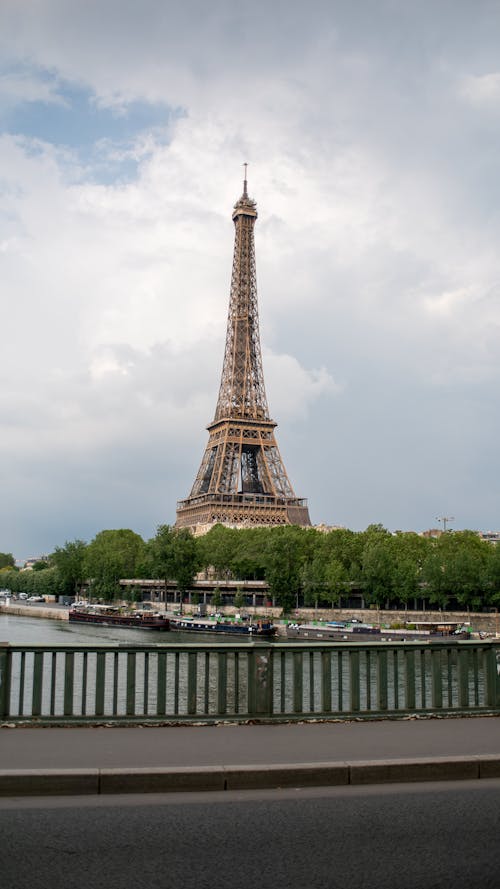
<point x="173" y="555"/>
<point x="217" y="549"/>
<point x="285" y="554"/>
<point x="111" y="556"/>
<point x="335" y="580"/>
<point x="216" y="598"/>
<point x="378" y="569"/>
<point x="240" y="599"/>
<point x="7" y="560"/>
<point x="70" y="563"/>
<point x="160" y="553"/>
<point x="314" y="580"/>
<point x="185" y="560"/>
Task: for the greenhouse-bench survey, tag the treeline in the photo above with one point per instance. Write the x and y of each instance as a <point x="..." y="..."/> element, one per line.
<point x="458" y="569"/>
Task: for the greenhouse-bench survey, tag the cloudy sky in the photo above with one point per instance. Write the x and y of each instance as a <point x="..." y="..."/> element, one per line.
<point x="372" y="133"/>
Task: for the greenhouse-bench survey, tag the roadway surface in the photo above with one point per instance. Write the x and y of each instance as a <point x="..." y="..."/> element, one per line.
<point x="406" y="837"/>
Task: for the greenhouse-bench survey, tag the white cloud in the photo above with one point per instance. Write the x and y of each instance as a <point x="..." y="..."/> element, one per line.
<point x="482" y="90"/>
<point x="377" y="258"/>
<point x="28" y="86"/>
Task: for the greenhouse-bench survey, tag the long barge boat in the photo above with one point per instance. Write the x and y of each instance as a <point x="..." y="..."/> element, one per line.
<point x="258" y="629"/>
<point x="337" y="631"/>
<point x="113" y="616"/>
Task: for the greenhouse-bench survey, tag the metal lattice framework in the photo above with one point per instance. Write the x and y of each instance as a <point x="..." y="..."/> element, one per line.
<point x="242" y="479"/>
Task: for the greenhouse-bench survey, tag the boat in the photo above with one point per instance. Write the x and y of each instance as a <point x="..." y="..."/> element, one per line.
<point x="257" y="629"/>
<point x="114" y="616"/>
<point x="356" y="631"/>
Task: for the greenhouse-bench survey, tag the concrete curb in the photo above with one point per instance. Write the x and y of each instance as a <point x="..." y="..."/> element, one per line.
<point x="74" y="782"/>
<point x="49" y="782"/>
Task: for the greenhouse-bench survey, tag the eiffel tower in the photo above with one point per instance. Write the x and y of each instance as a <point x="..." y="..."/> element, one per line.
<point x="242" y="480"/>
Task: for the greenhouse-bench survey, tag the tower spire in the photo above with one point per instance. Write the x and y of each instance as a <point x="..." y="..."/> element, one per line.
<point x="242" y="479"/>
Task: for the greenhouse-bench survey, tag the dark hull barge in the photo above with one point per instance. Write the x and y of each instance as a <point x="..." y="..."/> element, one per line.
<point x="336" y="631"/>
<point x="226" y="628"/>
<point x="113" y="617"/>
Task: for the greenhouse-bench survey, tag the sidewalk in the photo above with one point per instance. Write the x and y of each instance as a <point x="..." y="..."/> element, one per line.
<point x="48" y="761"/>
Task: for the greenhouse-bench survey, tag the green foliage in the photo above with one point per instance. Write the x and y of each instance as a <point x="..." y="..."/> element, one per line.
<point x="457" y="565"/>
<point x="173" y="555"/>
<point x="46" y="582"/>
<point x="70" y="563"/>
<point x="321" y="567"/>
<point x="217" y="597"/>
<point x="240" y="599"/>
<point x="7" y="560"/>
<point x="286" y="552"/>
<point x="112" y="555"/>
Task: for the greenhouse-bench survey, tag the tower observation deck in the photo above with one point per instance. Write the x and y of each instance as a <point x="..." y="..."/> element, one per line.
<point x="242" y="480"/>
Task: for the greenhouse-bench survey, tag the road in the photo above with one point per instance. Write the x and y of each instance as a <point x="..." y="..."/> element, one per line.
<point x="404" y="837"/>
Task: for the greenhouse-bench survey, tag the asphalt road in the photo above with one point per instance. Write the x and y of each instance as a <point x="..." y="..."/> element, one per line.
<point x="405" y="837"/>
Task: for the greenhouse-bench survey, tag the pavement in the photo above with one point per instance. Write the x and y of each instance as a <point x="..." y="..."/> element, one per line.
<point x="142" y="759"/>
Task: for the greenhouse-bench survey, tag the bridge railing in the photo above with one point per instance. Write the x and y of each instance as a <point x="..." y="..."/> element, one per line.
<point x="164" y="683"/>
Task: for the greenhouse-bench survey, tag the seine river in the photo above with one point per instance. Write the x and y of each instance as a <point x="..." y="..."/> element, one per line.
<point x="38" y="630"/>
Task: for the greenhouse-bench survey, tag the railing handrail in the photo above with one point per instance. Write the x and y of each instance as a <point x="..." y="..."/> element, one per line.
<point x="444" y="642"/>
<point x="260" y="679"/>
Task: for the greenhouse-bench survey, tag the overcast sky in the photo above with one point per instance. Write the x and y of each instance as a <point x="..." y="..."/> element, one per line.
<point x="372" y="133"/>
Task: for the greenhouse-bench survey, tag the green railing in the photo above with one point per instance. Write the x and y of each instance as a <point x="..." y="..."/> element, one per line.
<point x="279" y="681"/>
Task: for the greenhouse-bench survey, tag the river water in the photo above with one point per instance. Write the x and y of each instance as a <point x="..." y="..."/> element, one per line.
<point x="42" y="631"/>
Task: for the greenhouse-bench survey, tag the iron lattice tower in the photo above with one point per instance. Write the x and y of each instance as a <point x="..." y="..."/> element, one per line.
<point x="242" y="480"/>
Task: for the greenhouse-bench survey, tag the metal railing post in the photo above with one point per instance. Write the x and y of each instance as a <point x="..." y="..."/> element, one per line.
<point x="260" y="680"/>
<point x="5" y="674"/>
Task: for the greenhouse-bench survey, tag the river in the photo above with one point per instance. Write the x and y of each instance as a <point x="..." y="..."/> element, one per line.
<point x="42" y="631"/>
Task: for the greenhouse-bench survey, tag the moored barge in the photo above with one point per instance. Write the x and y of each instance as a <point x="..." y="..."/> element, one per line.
<point x="259" y="629"/>
<point x="355" y="631"/>
<point x="113" y="616"/>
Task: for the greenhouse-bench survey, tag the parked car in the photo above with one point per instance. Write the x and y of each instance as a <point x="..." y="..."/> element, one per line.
<point x="23" y="596"/>
<point x="35" y="599"/>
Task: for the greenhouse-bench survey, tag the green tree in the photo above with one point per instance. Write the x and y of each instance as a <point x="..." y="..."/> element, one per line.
<point x="335" y="580"/>
<point x="457" y="567"/>
<point x="217" y="549"/>
<point x="173" y="555"/>
<point x="185" y="560"/>
<point x="492" y="575"/>
<point x="314" y="580"/>
<point x="285" y="555"/>
<point x="378" y="569"/>
<point x="240" y="599"/>
<point x="216" y="598"/>
<point x="160" y="554"/>
<point x="111" y="556"/>
<point x="70" y="563"/>
<point x="7" y="560"/>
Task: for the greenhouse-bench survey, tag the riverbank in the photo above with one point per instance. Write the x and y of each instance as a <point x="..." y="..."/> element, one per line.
<point x="40" y="611"/>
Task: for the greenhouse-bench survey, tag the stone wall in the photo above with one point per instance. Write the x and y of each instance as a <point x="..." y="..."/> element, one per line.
<point x="34" y="611"/>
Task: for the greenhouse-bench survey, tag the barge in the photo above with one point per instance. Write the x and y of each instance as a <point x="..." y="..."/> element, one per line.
<point x="113" y="616"/>
<point x="355" y="631"/>
<point x="258" y="629"/>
